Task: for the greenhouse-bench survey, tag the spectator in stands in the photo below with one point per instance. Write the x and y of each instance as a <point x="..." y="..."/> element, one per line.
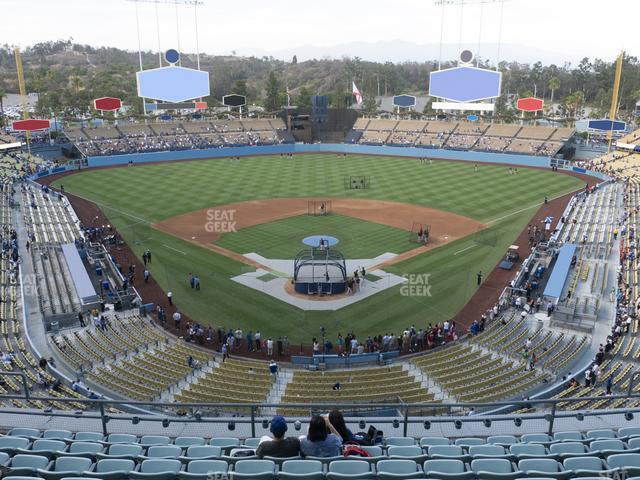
<point x="337" y="420"/>
<point x="322" y="439"/>
<point x="279" y="446"/>
<point x="273" y="368"/>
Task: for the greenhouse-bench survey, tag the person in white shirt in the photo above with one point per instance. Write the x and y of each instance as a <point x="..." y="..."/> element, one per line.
<point x="269" y="347"/>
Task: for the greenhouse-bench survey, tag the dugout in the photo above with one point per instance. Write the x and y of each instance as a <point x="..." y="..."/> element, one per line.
<point x="321" y="271"/>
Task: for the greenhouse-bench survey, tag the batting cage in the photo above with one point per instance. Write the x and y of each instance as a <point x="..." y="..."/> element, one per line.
<point x="420" y="233"/>
<point x="320" y="271"/>
<point x="319" y="208"/>
<point x="357" y="182"/>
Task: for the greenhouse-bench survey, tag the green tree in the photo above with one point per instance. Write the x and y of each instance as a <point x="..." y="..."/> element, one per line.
<point x="272" y="100"/>
<point x="369" y="104"/>
<point x="554" y="84"/>
<point x="294" y="60"/>
<point x="240" y="87"/>
<point x="2" y="94"/>
<point x="303" y="98"/>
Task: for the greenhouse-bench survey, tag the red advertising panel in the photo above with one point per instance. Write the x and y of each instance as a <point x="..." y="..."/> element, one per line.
<point x="107" y="103"/>
<point x="530" y="104"/>
<point x="31" y="125"/>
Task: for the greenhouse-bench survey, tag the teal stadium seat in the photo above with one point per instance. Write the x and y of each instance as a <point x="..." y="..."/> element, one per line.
<point x="112" y="469"/>
<point x="588" y="466"/>
<point x="350" y="469"/>
<point x="204" y="470"/>
<point x="157" y="469"/>
<point x="203" y="452"/>
<point x="66" y="467"/>
<point x="543" y="467"/>
<point x="254" y="470"/>
<point x="399" y="441"/>
<point x="301" y="470"/>
<point x="629" y="462"/>
<point x="494" y="469"/>
<point x="447" y="470"/>
<point x="188" y="441"/>
<point x="398" y="470"/>
<point x="22" y="464"/>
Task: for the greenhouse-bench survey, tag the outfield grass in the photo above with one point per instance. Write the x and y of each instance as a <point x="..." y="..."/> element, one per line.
<point x="134" y="197"/>
<point x="283" y="238"/>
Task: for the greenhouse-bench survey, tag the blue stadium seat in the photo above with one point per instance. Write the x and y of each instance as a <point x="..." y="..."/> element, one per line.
<point x="22" y="464"/>
<point x="252" y="442"/>
<point x="153" y="440"/>
<point x="607" y="447"/>
<point x="568" y="436"/>
<point x="301" y="470"/>
<point x="543" y="467"/>
<point x="163" y="451"/>
<point x="10" y="444"/>
<point x="48" y="448"/>
<point x="224" y="442"/>
<point x="447" y="470"/>
<point x="598" y="434"/>
<point x="626" y="432"/>
<point x="530" y="450"/>
<point x="483" y="451"/>
<point x="399" y="441"/>
<point x="535" y="438"/>
<point x="204" y="470"/>
<point x="495" y="469"/>
<point x="25" y="432"/>
<point x="112" y="469"/>
<point x="569" y="449"/>
<point x="203" y="452"/>
<point x="504" y="440"/>
<point x="349" y="469"/>
<point x="254" y="470"/>
<point x="430" y="441"/>
<point x="398" y="469"/>
<point x="188" y="441"/>
<point x="88" y="437"/>
<point x="629" y="462"/>
<point x="588" y="466"/>
<point x="468" y="442"/>
<point x="67" y="467"/>
<point x="412" y="452"/>
<point x="122" y="438"/>
<point x="57" y="434"/>
<point x="157" y="469"/>
<point x="122" y="450"/>
<point x="376" y="454"/>
<point x="84" y="449"/>
<point x="454" y="452"/>
<point x="633" y="442"/>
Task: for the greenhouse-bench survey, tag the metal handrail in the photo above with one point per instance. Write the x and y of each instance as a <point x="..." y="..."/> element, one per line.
<point x="405" y="408"/>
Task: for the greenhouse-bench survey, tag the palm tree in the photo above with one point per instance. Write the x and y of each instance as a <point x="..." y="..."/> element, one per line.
<point x="554" y="84"/>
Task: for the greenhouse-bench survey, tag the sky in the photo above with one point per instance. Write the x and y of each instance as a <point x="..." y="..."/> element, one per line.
<point x="554" y="30"/>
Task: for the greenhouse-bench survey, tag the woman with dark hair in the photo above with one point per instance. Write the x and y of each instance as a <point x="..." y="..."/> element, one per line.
<point x="337" y="420"/>
<point x="322" y="439"/>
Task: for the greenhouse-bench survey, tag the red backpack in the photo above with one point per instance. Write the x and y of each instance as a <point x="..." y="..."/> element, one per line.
<point x="355" y="451"/>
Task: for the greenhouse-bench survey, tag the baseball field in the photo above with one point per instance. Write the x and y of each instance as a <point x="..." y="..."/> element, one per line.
<point x="261" y="205"/>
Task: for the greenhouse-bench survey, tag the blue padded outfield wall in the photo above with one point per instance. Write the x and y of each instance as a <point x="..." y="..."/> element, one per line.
<point x="436" y="154"/>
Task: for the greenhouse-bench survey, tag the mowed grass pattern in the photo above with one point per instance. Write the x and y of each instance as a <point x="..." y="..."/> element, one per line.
<point x="283" y="238"/>
<point x="132" y="197"/>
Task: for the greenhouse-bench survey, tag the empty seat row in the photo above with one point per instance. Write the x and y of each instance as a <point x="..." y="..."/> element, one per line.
<point x="167" y="469"/>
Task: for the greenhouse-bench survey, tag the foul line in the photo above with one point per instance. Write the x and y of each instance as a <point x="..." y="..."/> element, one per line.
<point x="174" y="249"/>
<point x="494" y="220"/>
<point x="141" y="220"/>
<point x="464" y="249"/>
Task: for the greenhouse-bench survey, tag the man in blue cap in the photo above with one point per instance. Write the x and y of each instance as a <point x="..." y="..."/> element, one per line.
<point x="278" y="446"/>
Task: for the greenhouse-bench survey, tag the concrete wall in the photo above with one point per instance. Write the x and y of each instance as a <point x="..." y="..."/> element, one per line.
<point x="512" y="159"/>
